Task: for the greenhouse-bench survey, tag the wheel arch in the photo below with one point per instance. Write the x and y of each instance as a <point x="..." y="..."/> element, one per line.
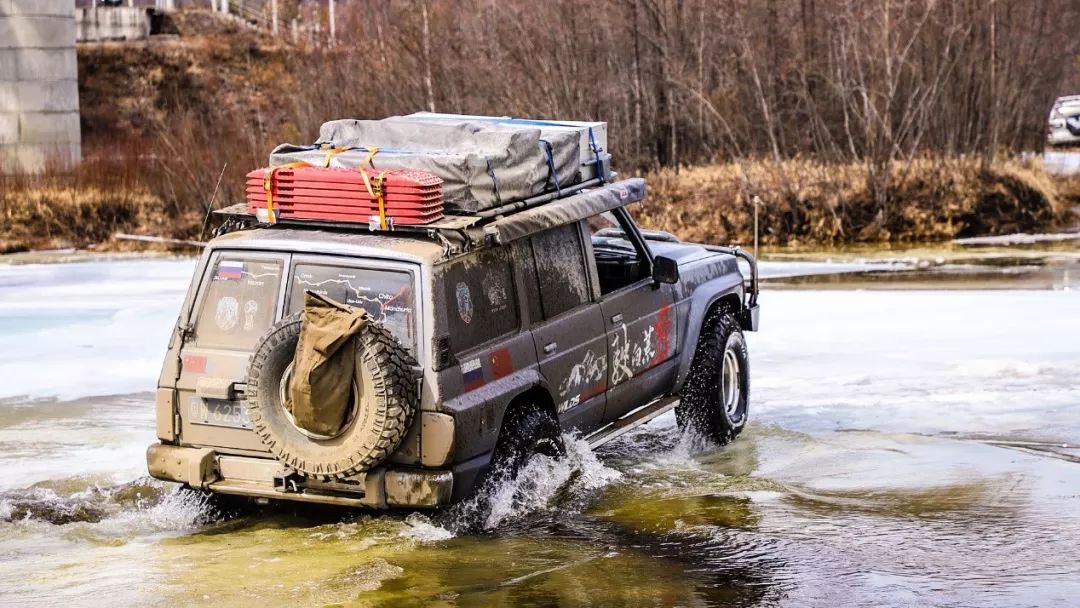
<point x="707" y="298"/>
<point x="479" y="415"/>
<point x="536" y="395"/>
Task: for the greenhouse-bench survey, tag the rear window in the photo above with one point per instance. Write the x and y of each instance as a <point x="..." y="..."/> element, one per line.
<point x="239" y="302"/>
<point x="387" y="295"/>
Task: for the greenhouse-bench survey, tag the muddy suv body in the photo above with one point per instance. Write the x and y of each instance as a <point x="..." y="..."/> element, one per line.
<point x="569" y="309"/>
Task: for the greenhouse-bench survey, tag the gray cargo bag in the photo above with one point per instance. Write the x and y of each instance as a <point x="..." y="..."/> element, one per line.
<point x="592" y="136"/>
<point x="482" y="165"/>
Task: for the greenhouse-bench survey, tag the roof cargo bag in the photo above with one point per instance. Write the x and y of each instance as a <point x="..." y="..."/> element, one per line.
<point x="482" y="165"/>
<point x="592" y="136"/>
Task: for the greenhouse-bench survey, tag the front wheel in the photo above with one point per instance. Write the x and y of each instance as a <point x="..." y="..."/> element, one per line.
<point x="715" y="398"/>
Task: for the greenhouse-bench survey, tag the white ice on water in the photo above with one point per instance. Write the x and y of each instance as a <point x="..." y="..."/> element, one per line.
<point x="994" y="362"/>
<point x="88" y="328"/>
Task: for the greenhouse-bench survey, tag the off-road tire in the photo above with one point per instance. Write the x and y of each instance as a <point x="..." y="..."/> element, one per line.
<point x="701" y="407"/>
<point x="384" y="373"/>
<point x="526" y="431"/>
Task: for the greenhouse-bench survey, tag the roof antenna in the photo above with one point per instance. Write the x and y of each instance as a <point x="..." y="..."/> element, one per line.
<point x="213" y="197"/>
<point x="757" y="204"/>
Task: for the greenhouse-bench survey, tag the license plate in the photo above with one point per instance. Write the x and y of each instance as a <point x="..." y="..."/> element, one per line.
<point x="218" y="412"/>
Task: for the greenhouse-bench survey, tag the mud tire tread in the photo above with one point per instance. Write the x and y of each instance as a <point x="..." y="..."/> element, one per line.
<point x="698" y="407"/>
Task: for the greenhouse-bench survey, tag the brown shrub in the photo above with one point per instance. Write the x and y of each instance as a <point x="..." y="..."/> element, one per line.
<point x="807" y="202"/>
<point x="53" y="215"/>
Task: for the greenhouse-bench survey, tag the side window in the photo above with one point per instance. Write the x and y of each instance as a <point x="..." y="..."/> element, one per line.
<point x="560" y="269"/>
<point x="480" y="300"/>
<point x="618" y="261"/>
<point x="521" y="253"/>
<point x="239" y="302"/>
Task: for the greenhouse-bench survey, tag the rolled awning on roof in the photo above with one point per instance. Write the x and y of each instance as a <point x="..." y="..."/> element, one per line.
<point x="566" y="211"/>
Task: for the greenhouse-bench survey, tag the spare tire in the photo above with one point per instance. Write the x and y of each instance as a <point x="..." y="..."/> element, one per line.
<point x="384" y="401"/>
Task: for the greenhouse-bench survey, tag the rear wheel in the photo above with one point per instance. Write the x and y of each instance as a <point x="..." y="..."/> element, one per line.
<point x="715" y="398"/>
<point x="526" y="431"/>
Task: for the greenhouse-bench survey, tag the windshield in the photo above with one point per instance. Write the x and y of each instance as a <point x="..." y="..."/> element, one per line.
<point x="386" y="294"/>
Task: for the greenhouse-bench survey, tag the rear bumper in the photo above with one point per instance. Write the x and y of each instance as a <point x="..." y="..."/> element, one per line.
<point x="378" y="488"/>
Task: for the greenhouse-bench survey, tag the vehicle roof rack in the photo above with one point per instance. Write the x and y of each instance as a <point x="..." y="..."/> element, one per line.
<point x="463" y="231"/>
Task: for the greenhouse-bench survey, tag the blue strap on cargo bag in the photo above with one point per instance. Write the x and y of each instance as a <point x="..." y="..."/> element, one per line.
<point x="494" y="180"/>
<point x="596" y="157"/>
<point x="552" y="173"/>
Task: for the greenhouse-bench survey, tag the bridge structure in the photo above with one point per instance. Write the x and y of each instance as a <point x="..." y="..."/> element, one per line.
<point x="39" y="87"/>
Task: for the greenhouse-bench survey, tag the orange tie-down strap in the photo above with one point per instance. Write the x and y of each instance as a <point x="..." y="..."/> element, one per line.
<point x="332" y="152"/>
<point x="268" y="186"/>
<point x="376" y="192"/>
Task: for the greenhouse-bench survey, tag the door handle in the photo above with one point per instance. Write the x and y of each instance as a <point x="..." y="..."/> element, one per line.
<point x="616" y="319"/>
<point x="550" y="348"/>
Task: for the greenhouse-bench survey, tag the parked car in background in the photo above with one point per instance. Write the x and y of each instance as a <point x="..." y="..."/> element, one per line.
<point x="1063" y="126"/>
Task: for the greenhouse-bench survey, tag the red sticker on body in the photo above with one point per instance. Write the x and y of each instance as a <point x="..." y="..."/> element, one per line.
<point x="195" y="364"/>
<point x="501" y="363"/>
<point x="664" y="327"/>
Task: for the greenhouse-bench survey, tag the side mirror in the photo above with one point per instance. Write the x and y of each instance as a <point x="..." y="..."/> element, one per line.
<point x="665" y="270"/>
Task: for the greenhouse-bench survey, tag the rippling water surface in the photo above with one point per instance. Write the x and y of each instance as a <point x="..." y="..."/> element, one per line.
<point x="907" y="447"/>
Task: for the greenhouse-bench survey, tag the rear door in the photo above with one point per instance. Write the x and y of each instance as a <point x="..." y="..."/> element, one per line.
<point x="569" y="331"/>
<point x="240" y="297"/>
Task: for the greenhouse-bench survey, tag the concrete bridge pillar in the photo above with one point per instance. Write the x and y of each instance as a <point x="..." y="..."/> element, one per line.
<point x="39" y="87"/>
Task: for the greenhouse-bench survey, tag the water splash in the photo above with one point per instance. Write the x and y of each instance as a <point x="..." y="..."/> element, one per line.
<point x="543" y="484"/>
<point x="141" y="506"/>
<point x="420" y="527"/>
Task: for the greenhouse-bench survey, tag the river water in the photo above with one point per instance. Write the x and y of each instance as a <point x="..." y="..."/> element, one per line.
<point x="913" y="442"/>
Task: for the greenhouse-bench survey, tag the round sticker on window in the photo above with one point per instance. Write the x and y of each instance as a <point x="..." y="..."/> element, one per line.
<point x="227" y="314"/>
<point x="496" y="294"/>
<point x="251" y="307"/>
<point x="464" y="302"/>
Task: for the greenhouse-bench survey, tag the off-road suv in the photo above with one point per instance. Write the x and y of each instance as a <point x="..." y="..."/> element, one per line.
<point x="488" y="336"/>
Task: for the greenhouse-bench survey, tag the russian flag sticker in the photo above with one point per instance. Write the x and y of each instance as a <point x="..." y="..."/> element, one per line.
<point x="472" y="374"/>
<point x="229" y="271"/>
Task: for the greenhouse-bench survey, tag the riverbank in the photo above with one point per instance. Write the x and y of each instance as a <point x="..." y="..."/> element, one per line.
<point x="807" y="203"/>
<point x="802" y="204"/>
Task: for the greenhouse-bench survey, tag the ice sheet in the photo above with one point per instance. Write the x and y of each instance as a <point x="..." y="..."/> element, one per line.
<point x="88" y="328"/>
<point x="919" y="361"/>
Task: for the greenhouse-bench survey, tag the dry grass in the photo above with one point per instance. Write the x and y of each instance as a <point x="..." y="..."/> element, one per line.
<point x="56" y="216"/>
<point x="803" y="203"/>
<point x="806" y="202"/>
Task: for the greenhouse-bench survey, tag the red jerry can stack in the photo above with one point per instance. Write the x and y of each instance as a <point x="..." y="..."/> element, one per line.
<point x="381" y="199"/>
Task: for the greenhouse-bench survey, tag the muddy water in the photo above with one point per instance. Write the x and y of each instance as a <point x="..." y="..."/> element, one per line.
<point x="908" y="447"/>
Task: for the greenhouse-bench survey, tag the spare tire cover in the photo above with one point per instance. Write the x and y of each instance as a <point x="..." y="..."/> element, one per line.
<point x="385" y="401"/>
